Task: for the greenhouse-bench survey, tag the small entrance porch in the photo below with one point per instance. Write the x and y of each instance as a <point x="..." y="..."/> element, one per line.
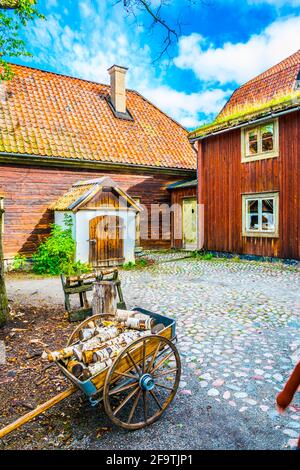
<point x="104" y="221"/>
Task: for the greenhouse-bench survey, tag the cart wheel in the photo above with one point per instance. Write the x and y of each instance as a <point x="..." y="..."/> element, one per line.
<point x="142" y="382"/>
<point x="74" y="335"/>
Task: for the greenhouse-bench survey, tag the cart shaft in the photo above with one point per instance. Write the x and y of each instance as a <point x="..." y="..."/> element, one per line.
<point x="37" y="411"/>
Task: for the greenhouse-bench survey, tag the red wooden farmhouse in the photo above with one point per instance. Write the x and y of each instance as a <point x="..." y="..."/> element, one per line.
<point x="249" y="167"/>
<point x="61" y="135"/>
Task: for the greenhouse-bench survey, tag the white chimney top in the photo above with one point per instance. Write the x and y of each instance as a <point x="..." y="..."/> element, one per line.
<point x="118" y="88"/>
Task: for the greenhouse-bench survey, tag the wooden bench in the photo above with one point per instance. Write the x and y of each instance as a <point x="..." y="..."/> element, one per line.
<point x="83" y="283"/>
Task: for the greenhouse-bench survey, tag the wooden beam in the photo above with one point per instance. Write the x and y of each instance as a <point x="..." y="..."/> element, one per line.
<point x="19" y="159"/>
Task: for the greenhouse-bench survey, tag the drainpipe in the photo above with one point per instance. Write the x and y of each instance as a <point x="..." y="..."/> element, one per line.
<point x="200" y="197"/>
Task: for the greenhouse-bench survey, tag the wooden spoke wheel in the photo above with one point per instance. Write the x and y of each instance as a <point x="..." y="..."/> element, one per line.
<point x="142" y="382"/>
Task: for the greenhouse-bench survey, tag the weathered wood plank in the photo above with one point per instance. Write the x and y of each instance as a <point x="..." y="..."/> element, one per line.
<point x="29" y="191"/>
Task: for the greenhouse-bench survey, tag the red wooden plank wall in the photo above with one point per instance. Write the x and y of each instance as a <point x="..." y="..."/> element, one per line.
<point x="30" y="190"/>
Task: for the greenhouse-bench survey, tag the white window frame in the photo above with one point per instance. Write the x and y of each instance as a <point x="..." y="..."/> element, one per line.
<point x="260" y="155"/>
<point x="247" y="232"/>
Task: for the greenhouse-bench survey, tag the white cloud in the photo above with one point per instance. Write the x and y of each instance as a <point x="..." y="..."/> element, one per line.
<point x="86" y="9"/>
<point x="90" y="49"/>
<point x="51" y="3"/>
<point x="240" y="61"/>
<point x="185" y="107"/>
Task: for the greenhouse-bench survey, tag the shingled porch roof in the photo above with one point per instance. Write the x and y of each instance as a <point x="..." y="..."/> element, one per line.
<point x="84" y="191"/>
<point x="44" y="114"/>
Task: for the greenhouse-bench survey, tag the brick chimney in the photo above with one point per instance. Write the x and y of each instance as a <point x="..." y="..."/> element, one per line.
<point x="118" y="88"/>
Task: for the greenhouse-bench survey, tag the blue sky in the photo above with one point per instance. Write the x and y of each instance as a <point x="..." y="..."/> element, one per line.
<point x="223" y="43"/>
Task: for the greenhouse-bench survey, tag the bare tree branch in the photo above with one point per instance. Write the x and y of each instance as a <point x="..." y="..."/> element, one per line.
<point x="172" y="31"/>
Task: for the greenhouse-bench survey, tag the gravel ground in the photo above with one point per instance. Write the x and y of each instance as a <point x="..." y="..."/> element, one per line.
<point x="238" y="330"/>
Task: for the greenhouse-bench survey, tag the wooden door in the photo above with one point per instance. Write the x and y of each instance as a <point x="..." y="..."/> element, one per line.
<point x="189" y="223"/>
<point x="106" y="241"/>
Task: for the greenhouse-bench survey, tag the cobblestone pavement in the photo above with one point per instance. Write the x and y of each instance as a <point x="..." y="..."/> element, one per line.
<point x="238" y="327"/>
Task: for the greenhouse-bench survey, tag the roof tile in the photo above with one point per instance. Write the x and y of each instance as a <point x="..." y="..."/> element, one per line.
<point x="270" y="92"/>
<point x="277" y="80"/>
<point x="43" y="113"/>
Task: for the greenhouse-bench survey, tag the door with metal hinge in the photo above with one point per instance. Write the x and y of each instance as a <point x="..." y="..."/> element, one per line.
<point x="106" y="240"/>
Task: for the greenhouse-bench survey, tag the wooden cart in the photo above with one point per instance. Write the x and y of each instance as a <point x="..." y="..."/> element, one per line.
<point x="139" y="386"/>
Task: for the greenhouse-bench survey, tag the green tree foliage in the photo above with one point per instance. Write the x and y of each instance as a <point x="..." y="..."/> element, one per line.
<point x="14" y="14"/>
<point x="56" y="254"/>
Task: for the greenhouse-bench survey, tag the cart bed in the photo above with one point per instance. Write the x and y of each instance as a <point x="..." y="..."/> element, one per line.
<point x="94" y="384"/>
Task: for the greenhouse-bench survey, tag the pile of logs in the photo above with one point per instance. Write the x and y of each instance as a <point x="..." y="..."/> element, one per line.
<point x="101" y="341"/>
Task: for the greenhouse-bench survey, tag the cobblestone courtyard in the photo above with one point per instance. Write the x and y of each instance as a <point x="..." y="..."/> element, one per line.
<point x="238" y="326"/>
<point x="238" y="329"/>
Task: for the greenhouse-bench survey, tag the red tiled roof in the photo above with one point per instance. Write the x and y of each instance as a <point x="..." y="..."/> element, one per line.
<point x="278" y="80"/>
<point x="46" y="114"/>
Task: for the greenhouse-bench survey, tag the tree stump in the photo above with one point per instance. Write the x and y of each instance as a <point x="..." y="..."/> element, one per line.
<point x="104" y="298"/>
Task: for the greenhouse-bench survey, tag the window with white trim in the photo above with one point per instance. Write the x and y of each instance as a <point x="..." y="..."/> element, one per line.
<point x="260" y="142"/>
<point x="260" y="214"/>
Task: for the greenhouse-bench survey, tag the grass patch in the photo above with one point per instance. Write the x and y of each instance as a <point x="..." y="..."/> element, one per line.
<point x="140" y="263"/>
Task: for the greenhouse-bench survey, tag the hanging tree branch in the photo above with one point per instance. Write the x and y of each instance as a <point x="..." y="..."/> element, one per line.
<point x="13" y="15"/>
<point x="158" y="16"/>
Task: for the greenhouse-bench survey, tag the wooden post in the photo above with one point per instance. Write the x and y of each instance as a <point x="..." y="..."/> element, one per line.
<point x="105" y="298"/>
<point x="3" y="295"/>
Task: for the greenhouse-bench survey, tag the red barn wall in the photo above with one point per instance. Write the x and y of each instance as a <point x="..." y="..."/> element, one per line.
<point x="225" y="179"/>
<point x="29" y="191"/>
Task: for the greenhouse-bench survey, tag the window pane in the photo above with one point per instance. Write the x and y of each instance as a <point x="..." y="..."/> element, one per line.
<point x="253" y="225"/>
<point x="267" y="131"/>
<point x="252" y="214"/>
<point x="252" y="142"/>
<point x="253" y="206"/>
<point x="267" y="135"/>
<point x="268" y="205"/>
<point x="267" y="144"/>
<point x="268" y="222"/>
